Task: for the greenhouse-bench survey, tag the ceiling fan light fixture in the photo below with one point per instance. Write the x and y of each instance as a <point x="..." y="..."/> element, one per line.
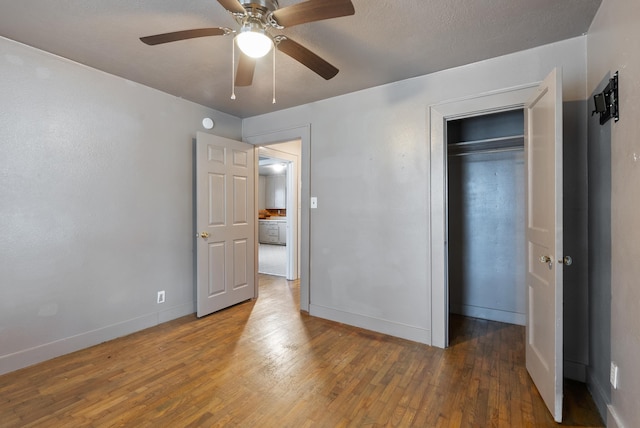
<point x="253" y="41"/>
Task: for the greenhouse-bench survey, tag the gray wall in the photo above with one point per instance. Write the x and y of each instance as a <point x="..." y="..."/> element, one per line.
<point x="96" y="213"/>
<point x="614" y="45"/>
<point x="95" y="204"/>
<point x="370" y="169"/>
<point x="575" y="230"/>
<point x="486" y="236"/>
<point x="599" y="260"/>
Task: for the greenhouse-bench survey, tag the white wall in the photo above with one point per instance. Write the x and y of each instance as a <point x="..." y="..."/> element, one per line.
<point x="95" y="204"/>
<point x="614" y="45"/>
<point x="369" y="154"/>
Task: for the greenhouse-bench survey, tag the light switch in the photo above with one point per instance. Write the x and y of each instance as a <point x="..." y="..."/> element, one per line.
<point x="314" y="202"/>
<point x="613" y="377"/>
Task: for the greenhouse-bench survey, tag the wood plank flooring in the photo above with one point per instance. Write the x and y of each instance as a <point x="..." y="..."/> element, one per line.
<point x="264" y="364"/>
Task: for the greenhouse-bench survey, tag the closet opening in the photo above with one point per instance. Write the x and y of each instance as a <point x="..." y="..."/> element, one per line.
<point x="485" y="218"/>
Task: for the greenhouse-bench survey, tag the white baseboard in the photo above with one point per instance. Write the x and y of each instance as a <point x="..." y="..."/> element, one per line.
<point x="57" y="348"/>
<point x="391" y="328"/>
<point x="490" y="314"/>
<point x="612" y="418"/>
<point x="176" y="312"/>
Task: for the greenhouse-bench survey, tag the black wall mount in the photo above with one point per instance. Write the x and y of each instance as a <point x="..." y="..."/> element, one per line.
<point x="606" y="102"/>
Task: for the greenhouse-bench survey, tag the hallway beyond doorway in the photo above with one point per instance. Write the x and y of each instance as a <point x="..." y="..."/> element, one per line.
<point x="272" y="259"/>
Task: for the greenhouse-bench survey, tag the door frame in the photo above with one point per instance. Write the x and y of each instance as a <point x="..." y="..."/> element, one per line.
<point x="302" y="133"/>
<point x="292" y="205"/>
<point x="437" y="116"/>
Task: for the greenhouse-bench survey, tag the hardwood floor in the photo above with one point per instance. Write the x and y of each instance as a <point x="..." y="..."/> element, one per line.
<point x="264" y="364"/>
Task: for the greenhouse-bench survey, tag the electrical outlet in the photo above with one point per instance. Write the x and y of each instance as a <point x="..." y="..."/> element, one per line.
<point x="613" y="375"/>
<point x="161" y="296"/>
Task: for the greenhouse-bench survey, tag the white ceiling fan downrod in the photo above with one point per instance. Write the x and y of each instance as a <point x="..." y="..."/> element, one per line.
<point x="233" y="65"/>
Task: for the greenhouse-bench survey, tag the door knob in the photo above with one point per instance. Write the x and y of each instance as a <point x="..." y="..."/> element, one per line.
<point x="204" y="235"/>
<point x="567" y="260"/>
<point x="547" y="260"/>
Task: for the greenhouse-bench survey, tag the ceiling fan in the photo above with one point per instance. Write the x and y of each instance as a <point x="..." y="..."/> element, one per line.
<point x="257" y="20"/>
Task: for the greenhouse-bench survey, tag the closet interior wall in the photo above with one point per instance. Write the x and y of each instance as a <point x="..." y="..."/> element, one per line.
<point x="486" y="233"/>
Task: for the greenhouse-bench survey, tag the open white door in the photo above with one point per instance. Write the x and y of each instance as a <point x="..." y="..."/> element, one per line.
<point x="225" y="221"/>
<point x="543" y="153"/>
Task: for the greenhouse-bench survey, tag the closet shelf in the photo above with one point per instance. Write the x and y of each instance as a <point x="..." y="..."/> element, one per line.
<point x="489" y="145"/>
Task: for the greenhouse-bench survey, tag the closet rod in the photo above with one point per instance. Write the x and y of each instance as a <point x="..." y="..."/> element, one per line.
<point x="506" y="149"/>
<point x="503" y="140"/>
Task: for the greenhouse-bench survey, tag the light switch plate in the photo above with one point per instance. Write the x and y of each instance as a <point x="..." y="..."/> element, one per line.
<point x="314" y="202"/>
<point x="613" y="377"/>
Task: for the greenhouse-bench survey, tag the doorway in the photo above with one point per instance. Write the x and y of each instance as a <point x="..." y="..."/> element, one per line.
<point x="486" y="217"/>
<point x="279" y="209"/>
<point x="273" y="216"/>
<point x="301" y="135"/>
<point x="437" y="117"/>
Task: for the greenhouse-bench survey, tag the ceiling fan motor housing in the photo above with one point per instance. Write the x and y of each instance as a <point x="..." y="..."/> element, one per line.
<point x="258" y="15"/>
<point x="260" y="7"/>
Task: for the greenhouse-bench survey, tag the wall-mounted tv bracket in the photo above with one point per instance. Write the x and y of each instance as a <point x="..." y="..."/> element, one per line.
<point x="606" y="102"/>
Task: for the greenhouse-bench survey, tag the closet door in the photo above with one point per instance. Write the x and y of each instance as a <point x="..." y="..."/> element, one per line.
<point x="543" y="153"/>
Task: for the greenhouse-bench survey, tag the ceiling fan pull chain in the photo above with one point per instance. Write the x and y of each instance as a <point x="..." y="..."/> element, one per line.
<point x="274" y="74"/>
<point x="233" y="64"/>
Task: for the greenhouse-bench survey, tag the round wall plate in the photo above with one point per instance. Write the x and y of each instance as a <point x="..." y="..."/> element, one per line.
<point x="208" y="123"/>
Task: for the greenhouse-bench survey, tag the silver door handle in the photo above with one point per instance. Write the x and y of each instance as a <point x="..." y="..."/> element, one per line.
<point x="548" y="260"/>
<point x="545" y="259"/>
<point x="567" y="261"/>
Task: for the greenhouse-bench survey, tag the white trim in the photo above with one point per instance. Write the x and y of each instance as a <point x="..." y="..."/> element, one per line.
<point x="489" y="314"/>
<point x="47" y="351"/>
<point x="613" y="421"/>
<point x="302" y="133"/>
<point x="292" y="205"/>
<point x="403" y="331"/>
<point x="438" y="114"/>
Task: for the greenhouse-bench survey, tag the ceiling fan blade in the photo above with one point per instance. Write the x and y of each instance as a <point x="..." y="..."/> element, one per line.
<point x="246" y="67"/>
<point x="183" y="35"/>
<point x="307" y="58"/>
<point x="312" y="10"/>
<point x="233" y="6"/>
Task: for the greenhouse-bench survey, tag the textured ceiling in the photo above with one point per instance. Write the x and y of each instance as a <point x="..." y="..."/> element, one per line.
<point x="385" y="41"/>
